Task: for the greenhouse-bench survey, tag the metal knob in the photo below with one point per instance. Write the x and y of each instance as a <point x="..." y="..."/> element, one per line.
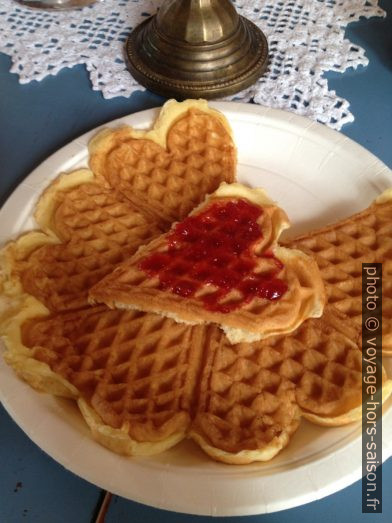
<point x="197" y="49"/>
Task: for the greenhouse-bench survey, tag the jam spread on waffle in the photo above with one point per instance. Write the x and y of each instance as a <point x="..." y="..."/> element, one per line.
<point x="215" y="247"/>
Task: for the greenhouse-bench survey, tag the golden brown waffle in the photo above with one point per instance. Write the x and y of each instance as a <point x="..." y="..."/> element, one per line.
<point x="97" y="215"/>
<point x="245" y="412"/>
<point x="139" y="372"/>
<point x="135" y="372"/>
<point x="252" y="395"/>
<point x="136" y="377"/>
<point x="168" y="170"/>
<point x="98" y="228"/>
<point x="241" y="319"/>
<point x="140" y="380"/>
<point x="341" y="248"/>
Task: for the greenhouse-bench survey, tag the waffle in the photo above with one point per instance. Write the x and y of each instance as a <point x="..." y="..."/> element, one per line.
<point x="168" y="170"/>
<point x="133" y="373"/>
<point x="99" y="229"/>
<point x="142" y="381"/>
<point x="244" y="314"/>
<point x="341" y="248"/>
<point x="252" y="396"/>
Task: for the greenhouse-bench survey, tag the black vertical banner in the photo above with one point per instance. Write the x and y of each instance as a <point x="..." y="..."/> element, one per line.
<point x="371" y="388"/>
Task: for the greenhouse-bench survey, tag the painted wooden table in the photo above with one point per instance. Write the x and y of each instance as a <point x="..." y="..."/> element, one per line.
<point x="38" y="118"/>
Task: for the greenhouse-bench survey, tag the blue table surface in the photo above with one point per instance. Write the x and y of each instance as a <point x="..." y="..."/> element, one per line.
<point x="37" y="119"/>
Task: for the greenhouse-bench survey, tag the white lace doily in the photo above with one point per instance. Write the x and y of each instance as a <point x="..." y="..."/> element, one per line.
<point x="306" y="38"/>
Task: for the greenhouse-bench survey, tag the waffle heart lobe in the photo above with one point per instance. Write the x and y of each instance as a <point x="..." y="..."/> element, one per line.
<point x="339" y="251"/>
<point x="167" y="171"/>
<point x="134" y="372"/>
<point x="90" y="231"/>
<point x="253" y="394"/>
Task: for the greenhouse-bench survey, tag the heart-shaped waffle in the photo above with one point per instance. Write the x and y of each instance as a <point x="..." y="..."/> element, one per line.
<point x="341" y="248"/>
<point x="98" y="228"/>
<point x="167" y="171"/>
<point x="222" y="265"/>
<point x="144" y="382"/>
<point x="134" y="373"/>
<point x="253" y="394"/>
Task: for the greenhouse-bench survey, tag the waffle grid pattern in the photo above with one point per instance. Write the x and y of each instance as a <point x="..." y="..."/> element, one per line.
<point x="169" y="183"/>
<point x="253" y="392"/>
<point x="340" y="250"/>
<point x="91" y="212"/>
<point x="98" y="231"/>
<point x="132" y="367"/>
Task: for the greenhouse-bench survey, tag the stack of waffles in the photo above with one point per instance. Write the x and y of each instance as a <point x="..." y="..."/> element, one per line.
<point x="144" y="381"/>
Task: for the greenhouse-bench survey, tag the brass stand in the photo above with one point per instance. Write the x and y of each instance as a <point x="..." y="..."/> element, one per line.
<point x="197" y="49"/>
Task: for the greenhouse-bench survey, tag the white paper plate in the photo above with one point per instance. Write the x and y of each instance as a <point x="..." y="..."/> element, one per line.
<point x="318" y="176"/>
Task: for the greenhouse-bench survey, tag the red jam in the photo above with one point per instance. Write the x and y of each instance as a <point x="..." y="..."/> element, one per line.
<point x="215" y="247"/>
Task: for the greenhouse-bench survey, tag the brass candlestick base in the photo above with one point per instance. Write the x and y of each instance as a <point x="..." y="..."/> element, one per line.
<point x="197" y="49"/>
